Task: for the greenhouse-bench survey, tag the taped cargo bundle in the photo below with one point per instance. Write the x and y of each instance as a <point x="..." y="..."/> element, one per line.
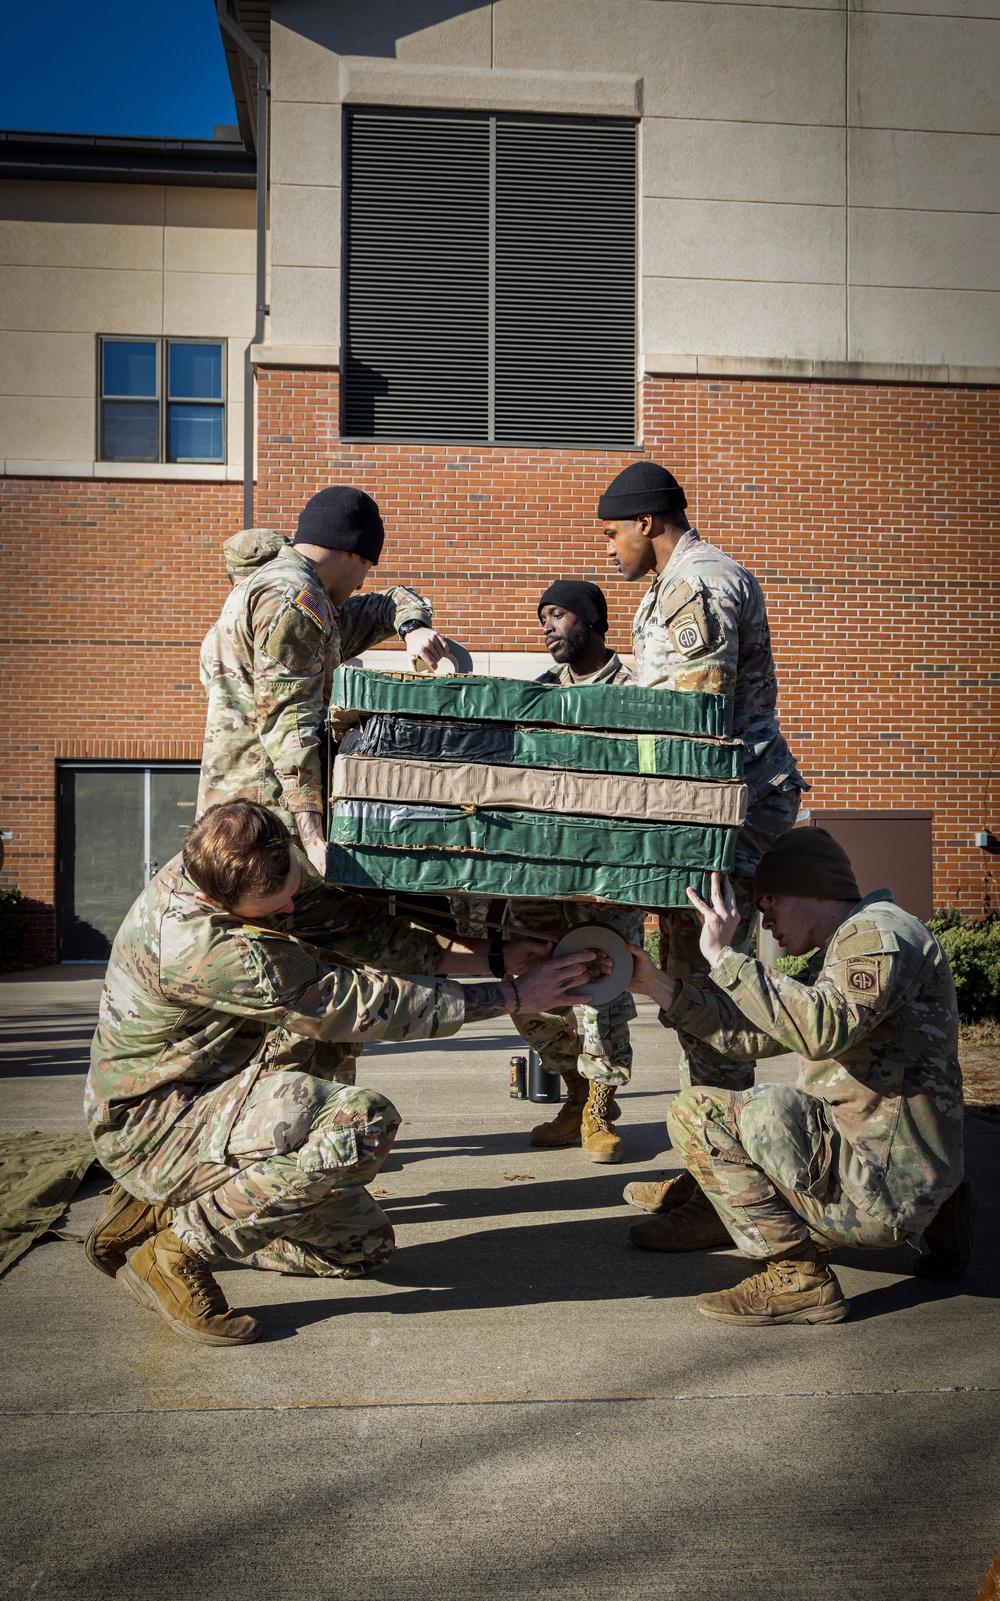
<point x="621" y="707"/>
<point x="438" y="872"/>
<point x="662" y="755"/>
<point x="533" y="836"/>
<point x="614" y="795"/>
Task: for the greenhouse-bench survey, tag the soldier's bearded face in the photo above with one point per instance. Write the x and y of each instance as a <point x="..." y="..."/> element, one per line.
<point x="256" y="909"/>
<point x="565" y="635"/>
<point x="630" y="549"/>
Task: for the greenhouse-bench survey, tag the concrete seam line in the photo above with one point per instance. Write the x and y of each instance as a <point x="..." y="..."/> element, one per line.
<point x="489" y="1400"/>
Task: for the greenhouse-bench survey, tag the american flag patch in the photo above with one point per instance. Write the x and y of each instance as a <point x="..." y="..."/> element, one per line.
<point x="307" y="600"/>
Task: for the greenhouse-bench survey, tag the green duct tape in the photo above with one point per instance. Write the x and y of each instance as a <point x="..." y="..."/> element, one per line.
<point x="535" y="836"/>
<point x="511" y="700"/>
<point x="665" y="755"/>
<point x="430" y="872"/>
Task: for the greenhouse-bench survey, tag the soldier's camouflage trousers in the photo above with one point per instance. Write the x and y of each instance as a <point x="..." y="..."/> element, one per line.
<point x="291" y="1194"/>
<point x="767" y="820"/>
<point x="600" y="1048"/>
<point x="770" y="1160"/>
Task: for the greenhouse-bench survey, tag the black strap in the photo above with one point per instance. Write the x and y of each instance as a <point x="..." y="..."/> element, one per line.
<point x="495" y="956"/>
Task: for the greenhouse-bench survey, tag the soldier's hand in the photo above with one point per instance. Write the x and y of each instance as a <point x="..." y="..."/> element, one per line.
<point x="315" y="849"/>
<point x="548" y="985"/>
<point x="425" y="644"/>
<point x="524" y="952"/>
<point x="647" y="979"/>
<point x="719" y="922"/>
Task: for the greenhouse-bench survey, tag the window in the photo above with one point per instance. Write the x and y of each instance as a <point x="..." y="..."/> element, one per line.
<point x="490" y="282"/>
<point x="161" y="400"/>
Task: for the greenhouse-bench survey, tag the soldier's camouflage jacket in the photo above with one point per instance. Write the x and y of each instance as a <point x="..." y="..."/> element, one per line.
<point x="192" y="995"/>
<point x="876" y="1027"/>
<point x="614" y="671"/>
<point x="702" y="625"/>
<point x="267" y="666"/>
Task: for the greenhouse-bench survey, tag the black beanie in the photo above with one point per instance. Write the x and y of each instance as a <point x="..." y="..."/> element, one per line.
<point x="644" y="487"/>
<point x="342" y="519"/>
<point x="807" y="862"/>
<point x="584" y="600"/>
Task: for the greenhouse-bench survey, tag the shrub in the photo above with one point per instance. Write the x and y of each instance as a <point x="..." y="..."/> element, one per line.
<point x="973" y="952"/>
<point x="12" y="925"/>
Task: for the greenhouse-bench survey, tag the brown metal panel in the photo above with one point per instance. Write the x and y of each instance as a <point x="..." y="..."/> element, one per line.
<point x="888" y="850"/>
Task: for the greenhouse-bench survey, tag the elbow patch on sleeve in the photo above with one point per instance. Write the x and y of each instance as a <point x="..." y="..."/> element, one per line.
<point x="277" y="965"/>
<point x="295" y="638"/>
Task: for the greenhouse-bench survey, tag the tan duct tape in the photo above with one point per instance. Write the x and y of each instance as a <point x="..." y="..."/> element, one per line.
<point x="645" y="799"/>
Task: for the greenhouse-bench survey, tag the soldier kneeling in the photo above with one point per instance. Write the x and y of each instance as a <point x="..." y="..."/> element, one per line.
<point x="202" y="1099"/>
<point x="867" y="1150"/>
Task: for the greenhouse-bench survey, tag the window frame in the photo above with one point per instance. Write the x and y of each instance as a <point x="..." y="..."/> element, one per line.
<point x="469" y="442"/>
<point x="163" y="400"/>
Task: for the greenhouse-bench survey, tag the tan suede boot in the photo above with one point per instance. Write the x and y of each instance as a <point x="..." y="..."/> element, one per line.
<point x="167" y="1278"/>
<point x="600" y="1142"/>
<point x="693" y="1226"/>
<point x="662" y="1197"/>
<point x="791" y="1289"/>
<point x="564" y="1128"/>
<point x="124" y="1224"/>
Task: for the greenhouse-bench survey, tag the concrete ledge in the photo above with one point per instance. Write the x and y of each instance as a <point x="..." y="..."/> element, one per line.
<point x="169" y="472"/>
<point x="366" y="81"/>
<point x="295" y="355"/>
<point x="856" y="372"/>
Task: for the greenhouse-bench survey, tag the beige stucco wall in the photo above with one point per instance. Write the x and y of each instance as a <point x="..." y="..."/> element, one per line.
<point x="818" y="183"/>
<point x="78" y="260"/>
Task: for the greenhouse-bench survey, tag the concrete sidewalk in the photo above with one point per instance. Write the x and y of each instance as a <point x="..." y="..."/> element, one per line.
<point x="522" y="1405"/>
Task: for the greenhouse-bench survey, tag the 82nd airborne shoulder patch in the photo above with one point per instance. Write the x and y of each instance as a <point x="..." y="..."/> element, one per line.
<point x="864" y="978"/>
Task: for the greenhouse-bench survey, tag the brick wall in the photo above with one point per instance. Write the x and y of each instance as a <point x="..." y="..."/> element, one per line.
<point x="870" y="514"/>
<point x="107" y="591"/>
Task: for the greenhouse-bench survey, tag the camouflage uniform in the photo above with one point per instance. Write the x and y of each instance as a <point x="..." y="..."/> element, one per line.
<point x="267" y="667"/>
<point x="602" y="1050"/>
<point x="869" y="1145"/>
<point x="702" y="625"/>
<point x="207" y="1089"/>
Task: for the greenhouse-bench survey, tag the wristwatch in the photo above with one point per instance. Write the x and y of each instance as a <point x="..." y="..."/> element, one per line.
<point x="410" y="624"/>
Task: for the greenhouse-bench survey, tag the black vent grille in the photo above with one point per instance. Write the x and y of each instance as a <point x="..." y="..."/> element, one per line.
<point x="490" y="272"/>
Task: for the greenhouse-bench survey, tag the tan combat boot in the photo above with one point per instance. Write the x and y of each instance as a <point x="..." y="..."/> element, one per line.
<point x="600" y="1142"/>
<point x="124" y="1224"/>
<point x="662" y="1197"/>
<point x="949" y="1237"/>
<point x="170" y="1280"/>
<point x="791" y="1289"/>
<point x="564" y="1128"/>
<point x="695" y="1225"/>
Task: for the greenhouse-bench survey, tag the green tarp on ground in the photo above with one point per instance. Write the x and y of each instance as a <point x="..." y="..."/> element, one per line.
<point x="39" y="1175"/>
<point x="620" y="707"/>
<point x="664" y="755"/>
<point x="534" y="836"/>
<point x="432" y="872"/>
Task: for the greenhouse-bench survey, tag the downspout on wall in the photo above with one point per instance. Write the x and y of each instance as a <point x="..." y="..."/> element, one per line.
<point x="258" y="57"/>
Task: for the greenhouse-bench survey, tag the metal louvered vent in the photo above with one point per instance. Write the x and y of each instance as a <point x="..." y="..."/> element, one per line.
<point x="416" y="362"/>
<point x="490" y="270"/>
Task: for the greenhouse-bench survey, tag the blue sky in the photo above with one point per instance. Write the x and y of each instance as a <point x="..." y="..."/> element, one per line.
<point x="113" y="67"/>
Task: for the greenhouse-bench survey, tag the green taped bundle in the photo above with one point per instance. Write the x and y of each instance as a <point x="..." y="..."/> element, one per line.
<point x="621" y="707"/>
<point x="661" y="754"/>
<point x="534" y="836"/>
<point x="436" y="872"/>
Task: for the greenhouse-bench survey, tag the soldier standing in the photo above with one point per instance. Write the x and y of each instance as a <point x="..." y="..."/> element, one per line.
<point x="595" y="1061"/>
<point x="267" y="664"/>
<point x="224" y="1145"/>
<point x="702" y="625"/>
<point x="867" y="1150"/>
